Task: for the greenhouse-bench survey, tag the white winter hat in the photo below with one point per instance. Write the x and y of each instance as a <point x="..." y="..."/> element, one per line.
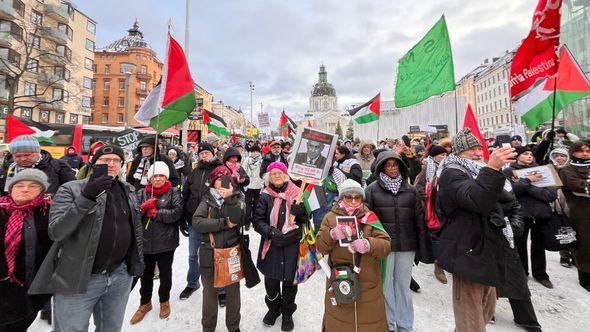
<point x="159" y="167"/>
<point x="350" y="186"/>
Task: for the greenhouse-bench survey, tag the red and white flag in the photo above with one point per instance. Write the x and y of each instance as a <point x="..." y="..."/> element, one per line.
<point x="536" y="58"/>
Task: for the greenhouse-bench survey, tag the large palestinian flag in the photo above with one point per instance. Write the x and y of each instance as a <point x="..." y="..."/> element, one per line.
<point x="566" y="86"/>
<point x="367" y="112"/>
<point x="16" y="127"/>
<point x="173" y="99"/>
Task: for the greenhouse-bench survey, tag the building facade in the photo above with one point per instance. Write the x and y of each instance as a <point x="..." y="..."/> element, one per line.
<point x="108" y="104"/>
<point x="46" y="58"/>
<point x="234" y="118"/>
<point x="494" y="109"/>
<point x="323" y="111"/>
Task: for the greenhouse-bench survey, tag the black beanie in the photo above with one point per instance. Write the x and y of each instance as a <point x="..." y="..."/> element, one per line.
<point x="108" y="149"/>
<point x="521" y="149"/>
<point x="435" y="150"/>
<point x="206" y="147"/>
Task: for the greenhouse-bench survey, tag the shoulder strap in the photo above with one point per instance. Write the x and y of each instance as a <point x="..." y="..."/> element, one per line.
<point x="211" y="239"/>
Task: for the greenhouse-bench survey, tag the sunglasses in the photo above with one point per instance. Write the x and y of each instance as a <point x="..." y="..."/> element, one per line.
<point x="350" y="198"/>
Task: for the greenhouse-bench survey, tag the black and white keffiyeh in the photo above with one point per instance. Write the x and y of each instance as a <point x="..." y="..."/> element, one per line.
<point x="393" y="184"/>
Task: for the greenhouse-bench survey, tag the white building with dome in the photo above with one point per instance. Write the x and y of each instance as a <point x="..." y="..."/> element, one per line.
<point x="323" y="110"/>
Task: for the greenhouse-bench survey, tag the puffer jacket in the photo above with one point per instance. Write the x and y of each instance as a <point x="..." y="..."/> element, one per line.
<point x="195" y="186"/>
<point x="75" y="225"/>
<point x="58" y="172"/>
<point x="161" y="234"/>
<point x="402" y="214"/>
<point x="469" y="245"/>
<point x="535" y="201"/>
<point x="210" y="218"/>
<point x="74" y="159"/>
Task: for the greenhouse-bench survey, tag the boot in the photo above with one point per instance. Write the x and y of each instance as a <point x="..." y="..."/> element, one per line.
<point x="439" y="273"/>
<point x="141" y="312"/>
<point x="274" y="310"/>
<point x="546" y="282"/>
<point x="164" y="309"/>
<point x="414" y="286"/>
<point x="287" y="324"/>
<point x="221" y="298"/>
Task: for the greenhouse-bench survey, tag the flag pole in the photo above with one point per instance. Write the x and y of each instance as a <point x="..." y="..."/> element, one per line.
<point x="186" y="52"/>
<point x="553" y="112"/>
<point x="456" y="113"/>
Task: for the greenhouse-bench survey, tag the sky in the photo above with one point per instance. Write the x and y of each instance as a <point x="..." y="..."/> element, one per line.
<point x="280" y="44"/>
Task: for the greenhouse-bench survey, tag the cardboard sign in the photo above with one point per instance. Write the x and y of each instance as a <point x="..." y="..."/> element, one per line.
<point x="312" y="155"/>
<point x="548" y="172"/>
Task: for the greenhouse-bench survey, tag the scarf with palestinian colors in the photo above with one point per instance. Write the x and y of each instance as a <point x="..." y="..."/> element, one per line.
<point x="14" y="228"/>
<point x="289" y="195"/>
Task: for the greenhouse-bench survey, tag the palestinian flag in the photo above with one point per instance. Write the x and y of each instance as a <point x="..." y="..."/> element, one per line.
<point x="367" y="112"/>
<point x="371" y="219"/>
<point x="16" y="127"/>
<point x="309" y="124"/>
<point x="288" y="125"/>
<point x="566" y="86"/>
<point x="173" y="99"/>
<point x="314" y="198"/>
<point x="215" y="123"/>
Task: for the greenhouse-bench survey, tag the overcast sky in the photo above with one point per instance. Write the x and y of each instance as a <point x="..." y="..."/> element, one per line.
<point x="280" y="44"/>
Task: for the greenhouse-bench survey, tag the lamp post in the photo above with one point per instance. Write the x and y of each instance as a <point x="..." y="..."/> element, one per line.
<point x="251" y="105"/>
<point x="127" y="68"/>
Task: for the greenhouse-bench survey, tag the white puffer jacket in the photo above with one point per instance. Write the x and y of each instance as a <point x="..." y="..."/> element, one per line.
<point x="252" y="166"/>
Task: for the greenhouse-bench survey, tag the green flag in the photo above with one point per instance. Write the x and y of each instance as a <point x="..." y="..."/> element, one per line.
<point x="427" y="69"/>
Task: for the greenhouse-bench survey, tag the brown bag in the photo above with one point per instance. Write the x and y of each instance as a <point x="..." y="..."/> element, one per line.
<point x="227" y="264"/>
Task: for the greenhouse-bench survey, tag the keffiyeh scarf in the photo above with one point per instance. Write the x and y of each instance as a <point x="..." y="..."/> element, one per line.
<point x="431" y="167"/>
<point x="392" y="185"/>
<point x="142" y="170"/>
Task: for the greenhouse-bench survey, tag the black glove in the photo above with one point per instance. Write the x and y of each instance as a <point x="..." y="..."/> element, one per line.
<point x="292" y="236"/>
<point x="96" y="186"/>
<point x="298" y="210"/>
<point x="183" y="227"/>
<point x="277" y="237"/>
<point x="550" y="135"/>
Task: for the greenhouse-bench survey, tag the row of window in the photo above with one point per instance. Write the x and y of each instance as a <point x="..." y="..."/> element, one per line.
<point x="60" y="117"/>
<point x="495" y="92"/>
<point x="104" y="118"/>
<point x="492" y="80"/>
<point x="108" y="67"/>
<point x="58" y="94"/>
<point x="490" y="121"/>
<point x="107" y="85"/>
<point x="120" y="101"/>
<point x="37" y="17"/>
<point x="498" y="104"/>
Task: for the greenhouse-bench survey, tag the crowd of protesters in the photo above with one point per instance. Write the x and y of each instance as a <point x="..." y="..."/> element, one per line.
<point x="70" y="227"/>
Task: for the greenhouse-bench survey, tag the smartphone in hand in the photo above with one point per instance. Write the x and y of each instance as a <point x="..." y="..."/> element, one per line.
<point x="225" y="180"/>
<point x="99" y="170"/>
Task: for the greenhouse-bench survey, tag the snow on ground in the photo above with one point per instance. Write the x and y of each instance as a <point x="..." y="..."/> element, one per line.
<point x="564" y="308"/>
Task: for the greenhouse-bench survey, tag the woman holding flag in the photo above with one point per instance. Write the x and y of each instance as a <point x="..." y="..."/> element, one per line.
<point x="366" y="252"/>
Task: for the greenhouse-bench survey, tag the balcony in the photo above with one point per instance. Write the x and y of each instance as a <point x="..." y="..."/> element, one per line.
<point x="53" y="58"/>
<point x="143" y="77"/>
<point x="55" y="35"/>
<point x="58" y="13"/>
<point x="3" y="94"/>
<point x="7" y="11"/>
<point x="6" y="39"/>
<point x="141" y="92"/>
<point x="47" y="78"/>
<point x="54" y="105"/>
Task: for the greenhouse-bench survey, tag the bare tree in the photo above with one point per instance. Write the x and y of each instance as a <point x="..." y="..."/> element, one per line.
<point x="25" y="57"/>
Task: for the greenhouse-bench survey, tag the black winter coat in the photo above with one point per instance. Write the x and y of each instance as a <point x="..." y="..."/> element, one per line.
<point x="269" y="158"/>
<point x="469" y="246"/>
<point x="535" y="201"/>
<point x="195" y="186"/>
<point x="173" y="177"/>
<point x="58" y="172"/>
<point x="212" y="219"/>
<point x="16" y="304"/>
<point x="280" y="263"/>
<point x="161" y="234"/>
<point x="514" y="285"/>
<point x="402" y="214"/>
<point x="74" y="160"/>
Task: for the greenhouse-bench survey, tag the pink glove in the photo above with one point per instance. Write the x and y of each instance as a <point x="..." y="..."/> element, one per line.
<point x="340" y="232"/>
<point x="362" y="246"/>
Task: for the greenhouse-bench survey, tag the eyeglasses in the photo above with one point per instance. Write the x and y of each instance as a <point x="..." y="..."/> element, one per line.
<point x="26" y="186"/>
<point x="108" y="160"/>
<point x="350" y="198"/>
<point x="276" y="174"/>
<point x="391" y="166"/>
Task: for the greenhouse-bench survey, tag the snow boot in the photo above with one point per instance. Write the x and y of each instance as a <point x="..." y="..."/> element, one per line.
<point x="141" y="312"/>
<point x="287" y="324"/>
<point x="274" y="310"/>
<point x="414" y="286"/>
<point x="439" y="274"/>
<point x="187" y="292"/>
<point x="546" y="282"/>
<point x="164" y="310"/>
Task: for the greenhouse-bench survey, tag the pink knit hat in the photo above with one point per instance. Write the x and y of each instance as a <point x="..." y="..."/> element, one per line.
<point x="277" y="164"/>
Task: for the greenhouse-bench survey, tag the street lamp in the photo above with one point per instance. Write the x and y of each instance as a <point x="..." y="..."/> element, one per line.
<point x="127" y="68"/>
<point x="251" y="105"/>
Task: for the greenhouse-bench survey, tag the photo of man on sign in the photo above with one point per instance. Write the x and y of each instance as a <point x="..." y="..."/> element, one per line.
<point x="312" y="152"/>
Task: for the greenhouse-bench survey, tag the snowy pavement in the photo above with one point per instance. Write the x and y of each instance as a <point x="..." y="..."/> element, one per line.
<point x="564" y="308"/>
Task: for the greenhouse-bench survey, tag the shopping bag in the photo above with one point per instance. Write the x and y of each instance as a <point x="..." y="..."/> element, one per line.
<point x="309" y="257"/>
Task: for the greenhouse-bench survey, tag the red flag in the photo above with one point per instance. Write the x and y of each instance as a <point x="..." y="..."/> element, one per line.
<point x="309" y="124"/>
<point x="16" y="128"/>
<point x="283" y="120"/>
<point x="470" y="122"/>
<point x="536" y="58"/>
<point x="234" y="137"/>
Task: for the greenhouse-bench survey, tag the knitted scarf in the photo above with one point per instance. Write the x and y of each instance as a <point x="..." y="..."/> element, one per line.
<point x="158" y="191"/>
<point x="392" y="184"/>
<point x="142" y="170"/>
<point x="234" y="168"/>
<point x="350" y="210"/>
<point x="289" y="194"/>
<point x="14" y="228"/>
<point x="14" y="168"/>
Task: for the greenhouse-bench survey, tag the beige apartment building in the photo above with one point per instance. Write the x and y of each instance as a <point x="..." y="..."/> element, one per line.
<point x="47" y="48"/>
